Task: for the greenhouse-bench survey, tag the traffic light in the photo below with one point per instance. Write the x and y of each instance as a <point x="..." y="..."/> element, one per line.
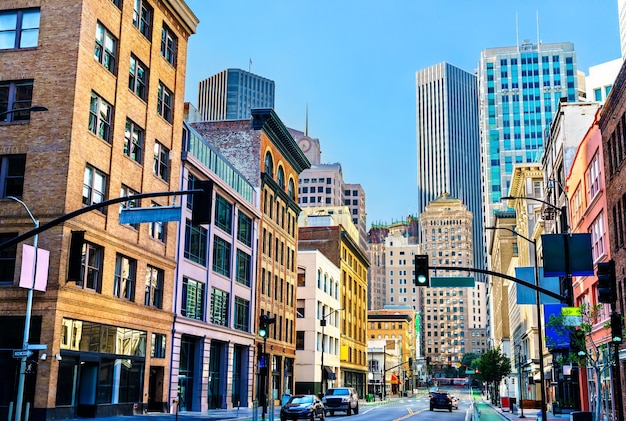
<point x="202" y="205"/>
<point x="617" y="332"/>
<point x="410" y="362"/>
<point x="606" y="282"/>
<point x="264" y="322"/>
<point x="422" y="278"/>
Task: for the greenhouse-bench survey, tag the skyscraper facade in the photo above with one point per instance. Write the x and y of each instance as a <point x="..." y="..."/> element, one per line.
<point x="448" y="141"/>
<point x="519" y="91"/>
<point x="232" y="93"/>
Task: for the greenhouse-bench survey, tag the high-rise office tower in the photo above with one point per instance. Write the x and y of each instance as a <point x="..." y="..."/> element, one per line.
<point x="448" y="142"/>
<point x="519" y="90"/>
<point x="454" y="319"/>
<point x="232" y="93"/>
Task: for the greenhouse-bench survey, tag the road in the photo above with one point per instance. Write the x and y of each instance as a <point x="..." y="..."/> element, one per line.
<point x="416" y="408"/>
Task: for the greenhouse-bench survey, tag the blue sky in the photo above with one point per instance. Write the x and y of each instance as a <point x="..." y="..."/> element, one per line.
<point x="354" y="63"/>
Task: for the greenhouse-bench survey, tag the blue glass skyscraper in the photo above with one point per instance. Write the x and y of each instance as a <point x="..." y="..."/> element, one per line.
<point x="519" y="90"/>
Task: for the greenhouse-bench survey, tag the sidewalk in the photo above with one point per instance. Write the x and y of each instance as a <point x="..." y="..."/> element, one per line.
<point x="486" y="411"/>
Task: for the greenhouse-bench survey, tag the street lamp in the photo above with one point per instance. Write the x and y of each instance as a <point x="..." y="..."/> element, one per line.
<point x="519" y="372"/>
<point x="544" y="415"/>
<point x="29" y="300"/>
<point x="323" y="324"/>
<point x="29" y="306"/>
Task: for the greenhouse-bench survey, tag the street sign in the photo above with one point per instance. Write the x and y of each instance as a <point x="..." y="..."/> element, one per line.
<point x="21" y="353"/>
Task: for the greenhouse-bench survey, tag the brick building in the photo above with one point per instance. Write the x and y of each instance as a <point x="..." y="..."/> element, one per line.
<point x="613" y="128"/>
<point x="112" y="78"/>
<point x="265" y="153"/>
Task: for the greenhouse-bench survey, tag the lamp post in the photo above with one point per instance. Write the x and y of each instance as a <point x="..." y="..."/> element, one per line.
<point x="29" y="300"/>
<point x="323" y="325"/>
<point x="544" y="415"/>
<point x="519" y="372"/>
<point x="29" y="306"/>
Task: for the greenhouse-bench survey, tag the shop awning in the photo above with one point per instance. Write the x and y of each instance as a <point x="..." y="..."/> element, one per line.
<point x="329" y="373"/>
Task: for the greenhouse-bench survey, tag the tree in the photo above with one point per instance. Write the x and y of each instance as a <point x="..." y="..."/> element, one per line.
<point x="583" y="349"/>
<point x="494" y="366"/>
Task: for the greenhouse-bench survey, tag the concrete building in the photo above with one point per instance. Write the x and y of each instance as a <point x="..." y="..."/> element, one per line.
<point x="264" y="152"/>
<point x="318" y="296"/>
<point x="621" y="10"/>
<point x="600" y="80"/>
<point x="454" y="320"/>
<point x="448" y="143"/>
<point x="232" y="93"/>
<point x="395" y="326"/>
<point x="112" y="76"/>
<point x="213" y="363"/>
<point x="323" y="185"/>
<point x="334" y="235"/>
<point x="399" y="252"/>
<point x="520" y="88"/>
<point x="612" y="126"/>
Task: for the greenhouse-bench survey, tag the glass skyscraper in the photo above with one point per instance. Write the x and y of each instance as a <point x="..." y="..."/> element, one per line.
<point x="232" y="93"/>
<point x="448" y="142"/>
<point x="519" y="91"/>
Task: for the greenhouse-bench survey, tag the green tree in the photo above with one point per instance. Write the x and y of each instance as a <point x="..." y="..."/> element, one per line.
<point x="494" y="366"/>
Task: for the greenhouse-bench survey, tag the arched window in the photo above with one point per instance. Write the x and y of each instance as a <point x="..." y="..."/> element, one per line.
<point x="269" y="165"/>
<point x="291" y="191"/>
<point x="280" y="177"/>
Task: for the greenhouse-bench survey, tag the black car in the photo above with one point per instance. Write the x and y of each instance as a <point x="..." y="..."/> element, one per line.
<point x="440" y="400"/>
<point x="302" y="406"/>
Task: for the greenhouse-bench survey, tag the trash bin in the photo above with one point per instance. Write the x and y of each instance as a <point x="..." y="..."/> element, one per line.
<point x="286" y="397"/>
<point x="369" y="397"/>
<point x="581" y="416"/>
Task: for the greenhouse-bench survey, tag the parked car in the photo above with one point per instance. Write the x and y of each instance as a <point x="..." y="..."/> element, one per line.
<point x="440" y="400"/>
<point x="302" y="406"/>
<point x="455" y="402"/>
<point x="341" y="399"/>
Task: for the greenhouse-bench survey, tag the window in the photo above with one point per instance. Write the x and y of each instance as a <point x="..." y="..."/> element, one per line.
<point x="158" y="345"/>
<point x="244" y="229"/>
<point x="244" y="267"/>
<point x="165" y="102"/>
<point x="242" y="314"/>
<point x="156" y="229"/>
<point x="138" y="77"/>
<point x="597" y="238"/>
<point x="142" y="17"/>
<point x="219" y="307"/>
<point x="105" y="49"/>
<point x="7" y="259"/>
<point x="127" y="191"/>
<point x="192" y="305"/>
<point x="133" y="141"/>
<point x="195" y="243"/>
<point x="221" y="256"/>
<point x="125" y="277"/>
<point x="223" y="214"/>
<point x="299" y="339"/>
<point x="269" y="165"/>
<point x="100" y="116"/>
<point x="161" y="161"/>
<point x="291" y="191"/>
<point x="91" y="269"/>
<point x="593" y="177"/>
<point x="280" y="177"/>
<point x="12" y="169"/>
<point x="14" y="96"/>
<point x="19" y="29"/>
<point x="169" y="43"/>
<point x="154" y="287"/>
<point x="94" y="186"/>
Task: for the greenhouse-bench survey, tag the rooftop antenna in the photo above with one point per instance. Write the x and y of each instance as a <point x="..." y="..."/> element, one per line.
<point x="538" y="38"/>
<point x="517" y="31"/>
<point x="250" y="66"/>
<point x="306" y="130"/>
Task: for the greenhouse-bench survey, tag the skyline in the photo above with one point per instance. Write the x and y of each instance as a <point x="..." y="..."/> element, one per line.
<point x="327" y="62"/>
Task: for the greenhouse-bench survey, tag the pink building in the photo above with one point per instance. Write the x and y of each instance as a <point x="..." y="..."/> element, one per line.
<point x="587" y="203"/>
